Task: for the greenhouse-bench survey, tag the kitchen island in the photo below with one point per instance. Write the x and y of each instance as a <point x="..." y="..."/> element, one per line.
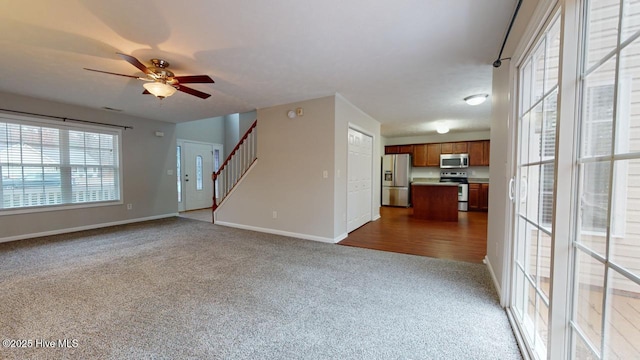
<point x="435" y="201"/>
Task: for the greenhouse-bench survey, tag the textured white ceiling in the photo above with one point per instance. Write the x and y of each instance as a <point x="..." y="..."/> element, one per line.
<point x="406" y="63"/>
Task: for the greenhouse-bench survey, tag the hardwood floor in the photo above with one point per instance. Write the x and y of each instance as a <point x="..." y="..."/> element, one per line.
<point x="398" y="231"/>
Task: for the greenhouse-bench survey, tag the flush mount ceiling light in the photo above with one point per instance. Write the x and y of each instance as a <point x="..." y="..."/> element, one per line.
<point x="159" y="89"/>
<point x="476" y="99"/>
<point x="442" y="129"/>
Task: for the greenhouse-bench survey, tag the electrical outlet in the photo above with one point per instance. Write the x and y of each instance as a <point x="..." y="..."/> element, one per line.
<point x="275" y="214"/>
<point x="169" y="172"/>
<point x="129" y="206"/>
<point x="325" y="174"/>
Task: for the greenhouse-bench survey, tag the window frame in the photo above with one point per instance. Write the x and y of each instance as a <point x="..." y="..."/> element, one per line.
<point x="33" y="121"/>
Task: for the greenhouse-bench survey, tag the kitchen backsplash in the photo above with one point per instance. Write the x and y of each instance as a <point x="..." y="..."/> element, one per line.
<point x="478" y="172"/>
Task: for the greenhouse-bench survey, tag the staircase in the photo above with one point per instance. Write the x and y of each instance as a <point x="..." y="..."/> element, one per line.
<point x="235" y="166"/>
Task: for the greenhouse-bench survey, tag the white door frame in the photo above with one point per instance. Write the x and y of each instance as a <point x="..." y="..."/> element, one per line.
<point x="181" y="143"/>
<point x="373" y="172"/>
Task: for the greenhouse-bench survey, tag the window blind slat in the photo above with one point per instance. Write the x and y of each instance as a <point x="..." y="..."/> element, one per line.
<point x="33" y="172"/>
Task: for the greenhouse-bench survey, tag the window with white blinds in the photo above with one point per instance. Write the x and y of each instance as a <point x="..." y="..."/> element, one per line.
<point x="47" y="164"/>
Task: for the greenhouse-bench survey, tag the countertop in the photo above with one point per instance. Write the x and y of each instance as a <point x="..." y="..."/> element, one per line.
<point x="429" y="183"/>
<point x="479" y="180"/>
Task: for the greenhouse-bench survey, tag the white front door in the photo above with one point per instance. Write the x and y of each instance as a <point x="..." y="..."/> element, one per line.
<point x="197" y="166"/>
<point x="359" y="172"/>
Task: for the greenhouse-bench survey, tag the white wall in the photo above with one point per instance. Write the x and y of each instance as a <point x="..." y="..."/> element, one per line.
<point x="145" y="161"/>
<point x="499" y="205"/>
<point x="349" y="115"/>
<point x="246" y="120"/>
<point x="287" y="178"/>
<point x="231" y="132"/>
<point x="205" y="130"/>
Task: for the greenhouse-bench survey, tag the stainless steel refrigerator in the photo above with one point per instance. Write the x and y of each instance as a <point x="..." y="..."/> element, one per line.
<point x="395" y="179"/>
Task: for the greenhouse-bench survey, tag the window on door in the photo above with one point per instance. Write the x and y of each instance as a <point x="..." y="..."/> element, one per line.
<point x="179" y="172"/>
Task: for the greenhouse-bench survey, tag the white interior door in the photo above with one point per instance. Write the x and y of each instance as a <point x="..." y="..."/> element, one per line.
<point x="196" y="175"/>
<point x="359" y="172"/>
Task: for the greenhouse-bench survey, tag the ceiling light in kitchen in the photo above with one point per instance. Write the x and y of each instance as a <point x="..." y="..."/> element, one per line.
<point x="476" y="99"/>
<point x="442" y="129"/>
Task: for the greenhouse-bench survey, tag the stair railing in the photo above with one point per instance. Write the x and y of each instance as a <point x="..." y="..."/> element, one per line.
<point x="235" y="165"/>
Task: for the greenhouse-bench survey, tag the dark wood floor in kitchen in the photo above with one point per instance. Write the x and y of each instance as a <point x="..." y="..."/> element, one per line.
<point x="398" y="231"/>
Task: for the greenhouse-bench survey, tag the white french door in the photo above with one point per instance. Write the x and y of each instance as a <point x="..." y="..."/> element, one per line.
<point x="606" y="274"/>
<point x="575" y="272"/>
<point x="534" y="188"/>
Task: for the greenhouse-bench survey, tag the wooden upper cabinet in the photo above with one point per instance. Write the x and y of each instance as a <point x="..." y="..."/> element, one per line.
<point x="405" y="149"/>
<point x="486" y="147"/>
<point x="454" y="148"/>
<point x="420" y="155"/>
<point x="476" y="153"/>
<point x="479" y="153"/>
<point x="391" y="149"/>
<point x="398" y="149"/>
<point x="460" y="147"/>
<point x="433" y="154"/>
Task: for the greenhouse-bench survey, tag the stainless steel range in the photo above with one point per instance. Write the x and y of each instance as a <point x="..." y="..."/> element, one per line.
<point x="461" y="178"/>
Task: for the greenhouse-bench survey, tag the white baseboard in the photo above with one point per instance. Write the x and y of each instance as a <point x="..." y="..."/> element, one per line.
<point x="493" y="277"/>
<point x="375" y="217"/>
<point x="341" y="237"/>
<point x="279" y="232"/>
<point x="82" y="228"/>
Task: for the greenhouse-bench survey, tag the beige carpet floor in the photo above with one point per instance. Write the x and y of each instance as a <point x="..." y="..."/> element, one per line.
<point x="185" y="289"/>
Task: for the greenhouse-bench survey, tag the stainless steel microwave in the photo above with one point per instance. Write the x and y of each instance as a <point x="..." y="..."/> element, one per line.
<point x="454" y="161"/>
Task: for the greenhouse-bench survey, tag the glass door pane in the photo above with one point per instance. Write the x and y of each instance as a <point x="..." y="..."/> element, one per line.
<point x="606" y="278"/>
<point x="535" y="176"/>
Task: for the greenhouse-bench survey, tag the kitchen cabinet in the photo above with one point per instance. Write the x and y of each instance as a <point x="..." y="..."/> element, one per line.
<point x="479" y="153"/>
<point x="484" y="197"/>
<point x="460" y="147"/>
<point x="405" y="149"/>
<point x="478" y="197"/>
<point x="433" y="155"/>
<point x="420" y="155"/>
<point x="426" y="155"/>
<point x="391" y="149"/>
<point x="474" y="197"/>
<point x="398" y="149"/>
<point x="436" y="201"/>
<point x="486" y="151"/>
<point x="454" y="148"/>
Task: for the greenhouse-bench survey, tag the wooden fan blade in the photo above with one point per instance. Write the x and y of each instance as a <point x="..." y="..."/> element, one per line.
<point x="133" y="61"/>
<point x="193" y="92"/>
<point x="194" y="79"/>
<point x="146" y="92"/>
<point x="110" y="73"/>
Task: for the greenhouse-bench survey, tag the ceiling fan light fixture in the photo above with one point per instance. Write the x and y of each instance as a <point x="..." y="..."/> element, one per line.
<point x="159" y="89"/>
<point x="476" y="99"/>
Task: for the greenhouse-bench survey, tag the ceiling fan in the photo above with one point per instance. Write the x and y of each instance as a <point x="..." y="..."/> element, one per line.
<point x="160" y="81"/>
